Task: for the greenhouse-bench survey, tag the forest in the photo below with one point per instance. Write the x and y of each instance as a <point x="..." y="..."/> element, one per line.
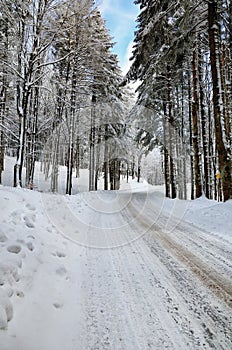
<point x="64" y="100"/>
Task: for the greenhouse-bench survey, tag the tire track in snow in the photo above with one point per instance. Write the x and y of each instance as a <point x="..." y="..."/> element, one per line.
<point x="220" y="284"/>
<point x="212" y="317"/>
<point x="153" y="324"/>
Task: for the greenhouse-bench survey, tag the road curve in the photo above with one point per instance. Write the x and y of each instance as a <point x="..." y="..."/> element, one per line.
<point x="148" y="281"/>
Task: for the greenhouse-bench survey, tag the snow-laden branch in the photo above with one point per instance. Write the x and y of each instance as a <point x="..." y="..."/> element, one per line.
<point x="11" y="132"/>
<point x="56" y="61"/>
<point x="14" y="69"/>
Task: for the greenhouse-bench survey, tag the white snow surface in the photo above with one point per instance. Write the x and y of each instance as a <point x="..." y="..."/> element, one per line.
<point x="124" y="269"/>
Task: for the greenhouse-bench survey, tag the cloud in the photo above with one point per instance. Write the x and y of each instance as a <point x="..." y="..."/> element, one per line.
<point x="121" y="8"/>
<point x="120" y="16"/>
<point x="103" y="5"/>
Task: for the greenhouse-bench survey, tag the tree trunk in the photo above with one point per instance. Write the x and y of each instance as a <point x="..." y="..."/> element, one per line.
<point x="106" y="159"/>
<point x="171" y="139"/>
<point x="69" y="169"/>
<point x="117" y="174"/>
<point x="33" y="138"/>
<point x="78" y="157"/>
<point x="204" y="135"/>
<point x="195" y="101"/>
<point x="71" y="130"/>
<point x="22" y="113"/>
<point x="97" y="171"/>
<point x="190" y="136"/>
<point x="139" y="167"/>
<point x="92" y="146"/>
<point x="112" y="172"/>
<point x="224" y="161"/>
<point x="226" y="87"/>
<point x="165" y="152"/>
<point x="55" y="162"/>
<point x="133" y="168"/>
<point x="2" y="121"/>
<point x="3" y="93"/>
<point x="183" y="143"/>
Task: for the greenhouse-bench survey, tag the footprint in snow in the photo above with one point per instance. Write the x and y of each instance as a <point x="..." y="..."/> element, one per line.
<point x="57" y="305"/>
<point x="30" y="246"/>
<point x="29" y="222"/>
<point x="3" y="237"/>
<point x="59" y="254"/>
<point x="7" y="290"/>
<point x="16" y="217"/>
<point x="19" y="294"/>
<point x="61" y="271"/>
<point x="3" y="318"/>
<point x="15" y="249"/>
<point x="30" y="236"/>
<point x="30" y="207"/>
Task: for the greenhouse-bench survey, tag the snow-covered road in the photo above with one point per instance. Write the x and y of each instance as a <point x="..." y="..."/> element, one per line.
<point x="132" y="274"/>
<point x="149" y="281"/>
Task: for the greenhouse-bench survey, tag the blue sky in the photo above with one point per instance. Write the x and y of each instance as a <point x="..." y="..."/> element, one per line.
<point x="120" y="16"/>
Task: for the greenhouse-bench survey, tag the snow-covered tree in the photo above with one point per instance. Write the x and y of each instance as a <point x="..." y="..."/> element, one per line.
<point x="171" y="60"/>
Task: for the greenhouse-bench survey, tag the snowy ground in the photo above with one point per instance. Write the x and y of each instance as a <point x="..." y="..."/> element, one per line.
<point x="117" y="270"/>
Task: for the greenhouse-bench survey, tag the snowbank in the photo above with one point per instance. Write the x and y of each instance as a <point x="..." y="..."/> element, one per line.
<point x="211" y="216"/>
